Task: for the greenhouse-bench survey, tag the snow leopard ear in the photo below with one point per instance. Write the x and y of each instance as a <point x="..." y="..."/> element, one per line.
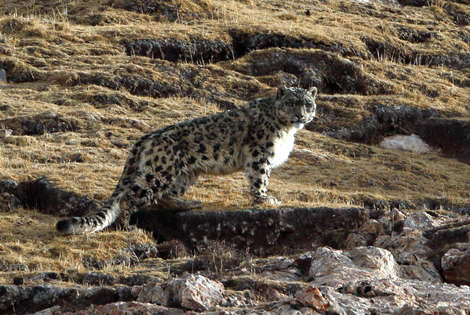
<point x="313" y="90"/>
<point x="281" y="91"/>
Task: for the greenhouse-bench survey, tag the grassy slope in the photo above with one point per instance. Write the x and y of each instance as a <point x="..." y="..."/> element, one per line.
<point x="52" y="45"/>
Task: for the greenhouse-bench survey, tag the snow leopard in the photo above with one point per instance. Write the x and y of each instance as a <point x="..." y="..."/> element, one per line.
<point x="163" y="164"/>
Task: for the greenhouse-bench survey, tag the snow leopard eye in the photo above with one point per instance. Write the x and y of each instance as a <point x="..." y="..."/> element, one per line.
<point x="309" y="105"/>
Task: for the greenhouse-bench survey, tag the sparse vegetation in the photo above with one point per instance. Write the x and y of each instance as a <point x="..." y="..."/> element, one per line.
<point x="72" y="58"/>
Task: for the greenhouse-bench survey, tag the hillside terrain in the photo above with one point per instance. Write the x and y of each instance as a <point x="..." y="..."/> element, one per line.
<point x="86" y="79"/>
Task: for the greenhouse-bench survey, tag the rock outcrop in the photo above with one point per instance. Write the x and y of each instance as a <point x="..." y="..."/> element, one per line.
<point x="261" y="231"/>
<point x="350" y="261"/>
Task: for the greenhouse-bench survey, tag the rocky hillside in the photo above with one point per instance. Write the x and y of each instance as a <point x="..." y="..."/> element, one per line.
<point x="365" y="228"/>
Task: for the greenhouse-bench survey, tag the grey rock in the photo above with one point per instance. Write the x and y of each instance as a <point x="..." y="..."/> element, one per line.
<point x="193" y="292"/>
<point x="334" y="267"/>
<point x="3" y="75"/>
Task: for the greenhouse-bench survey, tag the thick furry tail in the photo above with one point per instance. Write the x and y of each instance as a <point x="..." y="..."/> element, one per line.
<point x="92" y="223"/>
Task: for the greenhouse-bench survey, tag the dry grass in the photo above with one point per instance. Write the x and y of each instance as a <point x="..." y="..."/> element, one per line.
<point x="27" y="239"/>
<point x="52" y="46"/>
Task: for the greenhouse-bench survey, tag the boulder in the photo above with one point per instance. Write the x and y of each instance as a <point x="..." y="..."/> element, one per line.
<point x="335" y="267"/>
<point x="193" y="292"/>
<point x="455" y="265"/>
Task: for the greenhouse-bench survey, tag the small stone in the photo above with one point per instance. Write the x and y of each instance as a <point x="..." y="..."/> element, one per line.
<point x="199" y="293"/>
<point x="313" y="298"/>
<point x="5" y="132"/>
<point x="3" y="75"/>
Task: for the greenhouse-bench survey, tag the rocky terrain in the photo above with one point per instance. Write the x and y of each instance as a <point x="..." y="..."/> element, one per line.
<point x="376" y="194"/>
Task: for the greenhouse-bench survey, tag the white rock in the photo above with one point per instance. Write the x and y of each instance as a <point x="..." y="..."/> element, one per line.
<point x="198" y="293"/>
<point x="411" y="252"/>
<point x="411" y="143"/>
<point x="3" y="75"/>
<point x="194" y="292"/>
<point x="420" y="220"/>
<point x="375" y="258"/>
<point x="335" y="267"/>
<point x="155" y="292"/>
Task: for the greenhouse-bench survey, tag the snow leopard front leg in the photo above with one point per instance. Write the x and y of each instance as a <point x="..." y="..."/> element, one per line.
<point x="258" y="172"/>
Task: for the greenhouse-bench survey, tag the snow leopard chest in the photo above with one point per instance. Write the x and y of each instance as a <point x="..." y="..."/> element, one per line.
<point x="283" y="146"/>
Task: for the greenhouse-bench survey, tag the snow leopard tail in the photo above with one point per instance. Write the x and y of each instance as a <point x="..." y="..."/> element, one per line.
<point x="94" y="222"/>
